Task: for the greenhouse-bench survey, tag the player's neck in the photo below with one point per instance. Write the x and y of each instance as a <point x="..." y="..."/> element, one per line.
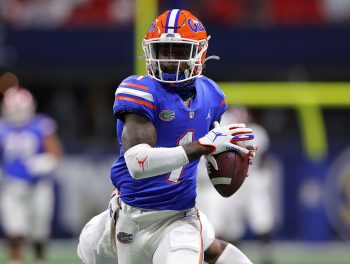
<point x="187" y="102"/>
<point x="185" y="90"/>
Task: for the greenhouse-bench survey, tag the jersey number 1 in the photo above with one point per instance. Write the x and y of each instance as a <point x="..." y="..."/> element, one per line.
<point x="174" y="176"/>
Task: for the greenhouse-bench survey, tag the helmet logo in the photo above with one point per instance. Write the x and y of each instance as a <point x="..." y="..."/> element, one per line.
<point x="195" y="26"/>
<point x="152" y="27"/>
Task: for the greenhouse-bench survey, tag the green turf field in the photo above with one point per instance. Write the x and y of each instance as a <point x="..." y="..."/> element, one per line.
<point x="63" y="252"/>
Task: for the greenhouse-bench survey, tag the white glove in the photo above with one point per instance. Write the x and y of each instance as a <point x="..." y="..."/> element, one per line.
<point x="41" y="164"/>
<point x="222" y="138"/>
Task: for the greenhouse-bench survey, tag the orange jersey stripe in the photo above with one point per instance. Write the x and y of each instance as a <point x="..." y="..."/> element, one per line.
<point x="135" y="101"/>
<point x="201" y="240"/>
<point x="135" y="85"/>
<point x="223" y="101"/>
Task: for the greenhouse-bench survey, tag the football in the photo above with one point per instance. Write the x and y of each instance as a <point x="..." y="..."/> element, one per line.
<point x="231" y="173"/>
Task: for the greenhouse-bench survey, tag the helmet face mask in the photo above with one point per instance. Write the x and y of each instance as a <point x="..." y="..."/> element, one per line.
<point x="175" y="53"/>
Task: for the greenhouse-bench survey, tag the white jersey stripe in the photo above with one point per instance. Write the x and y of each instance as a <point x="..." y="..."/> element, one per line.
<point x="137" y="93"/>
<point x="172" y="20"/>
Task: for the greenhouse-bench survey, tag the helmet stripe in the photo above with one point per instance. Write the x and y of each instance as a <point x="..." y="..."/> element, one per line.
<point x="171" y="20"/>
<point x="177" y="19"/>
<point x="167" y="21"/>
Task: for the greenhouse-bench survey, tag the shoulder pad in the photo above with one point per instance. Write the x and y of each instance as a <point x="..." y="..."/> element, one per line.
<point x="139" y="82"/>
<point x="136" y="94"/>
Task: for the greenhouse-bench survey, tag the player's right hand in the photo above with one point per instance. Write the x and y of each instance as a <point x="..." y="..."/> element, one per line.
<point x="222" y="138"/>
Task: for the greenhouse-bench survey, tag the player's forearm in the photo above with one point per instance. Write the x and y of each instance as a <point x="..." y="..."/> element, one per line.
<point x="144" y="161"/>
<point x="194" y="150"/>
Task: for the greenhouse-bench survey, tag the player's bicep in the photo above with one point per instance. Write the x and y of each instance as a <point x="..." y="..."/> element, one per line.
<point x="53" y="145"/>
<point x="137" y="130"/>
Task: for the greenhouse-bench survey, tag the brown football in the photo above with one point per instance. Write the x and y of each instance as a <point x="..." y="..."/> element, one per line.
<point x="233" y="169"/>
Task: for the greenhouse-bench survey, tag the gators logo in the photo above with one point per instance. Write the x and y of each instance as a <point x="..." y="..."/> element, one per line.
<point x="167" y="115"/>
<point x="152" y="27"/>
<point x="195" y="26"/>
<point x="125" y="238"/>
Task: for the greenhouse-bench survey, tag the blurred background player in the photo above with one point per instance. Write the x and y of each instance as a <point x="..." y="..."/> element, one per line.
<point x="30" y="151"/>
<point x="255" y="204"/>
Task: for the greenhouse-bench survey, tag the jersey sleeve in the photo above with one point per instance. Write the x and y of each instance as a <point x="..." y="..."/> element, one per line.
<point x="222" y="108"/>
<point x="135" y="95"/>
<point x="220" y="99"/>
<point x="46" y="125"/>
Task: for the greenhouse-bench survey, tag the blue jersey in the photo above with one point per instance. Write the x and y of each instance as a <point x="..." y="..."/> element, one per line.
<point x="19" y="143"/>
<point x="176" y="124"/>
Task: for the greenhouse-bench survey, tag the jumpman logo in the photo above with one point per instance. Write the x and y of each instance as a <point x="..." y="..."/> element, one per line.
<point x="208" y="116"/>
<point x="217" y="134"/>
<point x="142" y="163"/>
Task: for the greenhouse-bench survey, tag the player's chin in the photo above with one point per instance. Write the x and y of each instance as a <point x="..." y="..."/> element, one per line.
<point x="168" y="67"/>
<point x="173" y="67"/>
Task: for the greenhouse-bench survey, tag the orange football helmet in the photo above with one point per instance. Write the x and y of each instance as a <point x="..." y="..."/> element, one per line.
<point x="18" y="105"/>
<point x="175" y="47"/>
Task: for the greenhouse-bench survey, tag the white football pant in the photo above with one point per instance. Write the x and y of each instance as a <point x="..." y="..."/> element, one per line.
<point x="93" y="230"/>
<point x="26" y="210"/>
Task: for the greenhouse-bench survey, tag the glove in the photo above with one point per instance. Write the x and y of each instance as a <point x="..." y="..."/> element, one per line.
<point x="222" y="138"/>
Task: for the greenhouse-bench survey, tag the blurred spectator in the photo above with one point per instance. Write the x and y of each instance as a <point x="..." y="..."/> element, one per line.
<point x="296" y="12"/>
<point x="227" y="12"/>
<point x="30" y="151"/>
<point x="237" y="12"/>
<point x="268" y="12"/>
<point x="58" y="13"/>
<point x="102" y="13"/>
<point x="337" y="10"/>
<point x="36" y="13"/>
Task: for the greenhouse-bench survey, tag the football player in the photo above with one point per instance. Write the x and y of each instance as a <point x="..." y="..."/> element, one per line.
<point x="165" y="122"/>
<point x="30" y="151"/>
<point x="90" y="249"/>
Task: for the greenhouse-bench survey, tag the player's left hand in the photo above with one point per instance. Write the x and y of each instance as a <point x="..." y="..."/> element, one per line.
<point x="42" y="164"/>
